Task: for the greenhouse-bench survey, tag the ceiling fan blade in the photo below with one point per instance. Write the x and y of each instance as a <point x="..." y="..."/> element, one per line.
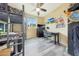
<point x="38" y="13"/>
<point x="38" y="5"/>
<point x="43" y="9"/>
<point x="41" y="4"/>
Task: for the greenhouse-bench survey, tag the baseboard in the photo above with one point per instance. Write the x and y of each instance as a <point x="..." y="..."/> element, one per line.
<point x="31" y="38"/>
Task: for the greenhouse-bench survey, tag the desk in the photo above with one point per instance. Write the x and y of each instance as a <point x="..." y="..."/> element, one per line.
<point x="56" y="36"/>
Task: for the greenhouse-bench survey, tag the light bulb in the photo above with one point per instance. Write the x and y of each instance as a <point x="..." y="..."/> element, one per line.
<point x="37" y="9"/>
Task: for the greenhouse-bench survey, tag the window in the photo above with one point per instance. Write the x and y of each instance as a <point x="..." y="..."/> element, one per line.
<point x="1" y="27"/>
<point x="6" y="27"/>
<point x="31" y="22"/>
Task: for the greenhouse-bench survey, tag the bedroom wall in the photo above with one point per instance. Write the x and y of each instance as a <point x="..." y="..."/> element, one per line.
<point x="63" y="31"/>
<point x="41" y="20"/>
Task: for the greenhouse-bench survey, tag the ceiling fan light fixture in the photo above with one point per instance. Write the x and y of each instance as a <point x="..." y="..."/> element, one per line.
<point x="37" y="9"/>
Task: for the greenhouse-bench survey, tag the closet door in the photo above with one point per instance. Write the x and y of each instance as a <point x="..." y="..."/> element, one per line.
<point x="70" y="38"/>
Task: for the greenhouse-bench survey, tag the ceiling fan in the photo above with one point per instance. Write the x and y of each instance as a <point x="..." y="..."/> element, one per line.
<point x="38" y="8"/>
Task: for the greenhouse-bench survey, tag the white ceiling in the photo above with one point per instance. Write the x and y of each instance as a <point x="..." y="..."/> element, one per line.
<point x="29" y="7"/>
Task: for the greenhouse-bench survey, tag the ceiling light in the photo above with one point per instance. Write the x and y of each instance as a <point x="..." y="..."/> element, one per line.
<point x="37" y="9"/>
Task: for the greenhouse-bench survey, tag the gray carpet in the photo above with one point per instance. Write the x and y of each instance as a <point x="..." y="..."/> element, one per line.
<point x="43" y="47"/>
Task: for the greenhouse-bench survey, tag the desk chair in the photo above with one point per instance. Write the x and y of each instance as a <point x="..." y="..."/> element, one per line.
<point x="47" y="34"/>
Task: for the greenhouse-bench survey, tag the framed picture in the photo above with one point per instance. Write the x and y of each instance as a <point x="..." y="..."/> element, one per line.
<point x="51" y="20"/>
<point x="60" y="23"/>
